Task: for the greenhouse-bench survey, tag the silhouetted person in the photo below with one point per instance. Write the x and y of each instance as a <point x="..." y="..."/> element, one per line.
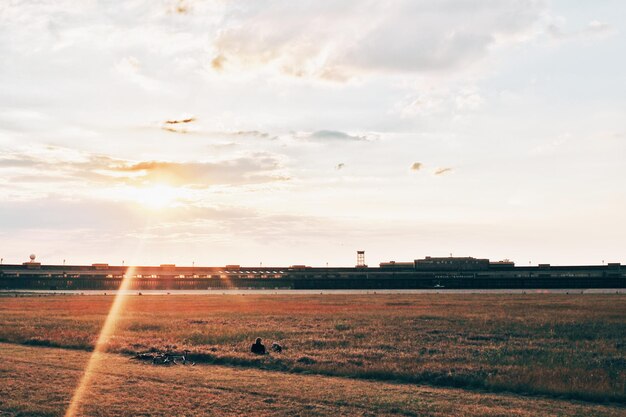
<point x="258" y="347"/>
<point x="276" y="347"/>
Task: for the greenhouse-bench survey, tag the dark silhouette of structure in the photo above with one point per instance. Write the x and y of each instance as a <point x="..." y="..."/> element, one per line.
<point x="360" y="259"/>
<point x="428" y="272"/>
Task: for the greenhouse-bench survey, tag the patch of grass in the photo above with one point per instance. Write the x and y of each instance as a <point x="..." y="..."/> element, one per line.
<point x="38" y="386"/>
<point x="227" y="337"/>
<point x="144" y="327"/>
<point x="561" y="345"/>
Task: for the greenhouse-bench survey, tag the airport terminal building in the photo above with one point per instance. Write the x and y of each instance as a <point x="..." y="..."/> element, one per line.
<point x="425" y="273"/>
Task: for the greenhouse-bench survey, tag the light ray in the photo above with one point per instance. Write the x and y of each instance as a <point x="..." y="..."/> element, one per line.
<point x="100" y="348"/>
<point x="106" y="332"/>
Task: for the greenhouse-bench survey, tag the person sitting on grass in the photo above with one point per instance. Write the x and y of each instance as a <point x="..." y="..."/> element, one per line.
<point x="258" y="347"/>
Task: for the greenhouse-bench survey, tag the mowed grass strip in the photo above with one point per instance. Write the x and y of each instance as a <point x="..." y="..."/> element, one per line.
<point x="571" y="346"/>
<point x="39" y="382"/>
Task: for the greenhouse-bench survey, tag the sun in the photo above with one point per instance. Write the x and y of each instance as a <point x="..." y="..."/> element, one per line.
<point x="156" y="196"/>
<point x="153" y="197"/>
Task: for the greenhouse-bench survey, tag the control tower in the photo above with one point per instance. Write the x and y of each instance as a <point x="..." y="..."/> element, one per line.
<point x="360" y="259"/>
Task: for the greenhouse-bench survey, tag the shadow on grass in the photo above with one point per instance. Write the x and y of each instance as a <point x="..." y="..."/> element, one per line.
<point x="36" y="341"/>
<point x="471" y="380"/>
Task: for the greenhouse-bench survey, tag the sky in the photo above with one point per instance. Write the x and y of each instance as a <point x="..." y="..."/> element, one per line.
<point x="282" y="132"/>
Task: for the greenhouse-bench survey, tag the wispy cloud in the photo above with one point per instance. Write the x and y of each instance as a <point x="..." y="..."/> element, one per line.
<point x="334" y="136"/>
<point x="245" y="170"/>
<point x="179" y="121"/>
<point x="183" y="124"/>
<point x="250" y="169"/>
<point x="15" y="161"/>
<point x="178" y="125"/>
<point x="594" y="30"/>
<point x="441" y="171"/>
<point x="441" y="102"/>
<point x="249" y="133"/>
<point x="182" y="7"/>
<point x="218" y="63"/>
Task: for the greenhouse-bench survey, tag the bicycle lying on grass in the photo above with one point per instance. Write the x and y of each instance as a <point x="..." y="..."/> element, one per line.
<point x="170" y="358"/>
<point x="166" y="358"/>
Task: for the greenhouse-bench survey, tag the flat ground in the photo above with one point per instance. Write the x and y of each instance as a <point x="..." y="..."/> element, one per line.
<point x="39" y="382"/>
<point x="420" y="354"/>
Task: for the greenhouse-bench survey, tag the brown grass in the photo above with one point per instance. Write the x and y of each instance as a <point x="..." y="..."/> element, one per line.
<point x="567" y="346"/>
<point x="38" y="382"/>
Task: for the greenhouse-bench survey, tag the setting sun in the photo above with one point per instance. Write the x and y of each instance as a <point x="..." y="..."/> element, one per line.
<point x="152" y="197"/>
<point x="157" y="197"/>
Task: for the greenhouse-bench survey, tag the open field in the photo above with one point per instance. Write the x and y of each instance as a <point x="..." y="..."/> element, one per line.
<point x="502" y="350"/>
<point x="122" y="387"/>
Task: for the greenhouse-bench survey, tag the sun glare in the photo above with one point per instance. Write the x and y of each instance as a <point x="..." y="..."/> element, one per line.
<point x="153" y="197"/>
<point x="157" y="197"/>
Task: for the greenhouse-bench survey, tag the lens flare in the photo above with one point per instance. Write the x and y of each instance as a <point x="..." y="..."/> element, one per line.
<point x="100" y="348"/>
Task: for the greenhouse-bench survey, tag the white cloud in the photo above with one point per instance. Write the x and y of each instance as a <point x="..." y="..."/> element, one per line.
<point x="344" y="39"/>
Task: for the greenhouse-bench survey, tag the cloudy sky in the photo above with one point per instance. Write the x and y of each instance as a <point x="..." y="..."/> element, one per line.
<point x="296" y="132"/>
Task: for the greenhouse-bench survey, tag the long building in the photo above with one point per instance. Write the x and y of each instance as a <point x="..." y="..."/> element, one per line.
<point x="429" y="272"/>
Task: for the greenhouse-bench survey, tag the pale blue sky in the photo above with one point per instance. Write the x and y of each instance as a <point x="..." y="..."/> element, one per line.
<point x="306" y="120"/>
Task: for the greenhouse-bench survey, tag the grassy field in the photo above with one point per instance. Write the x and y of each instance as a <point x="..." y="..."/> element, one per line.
<point x="38" y="382"/>
<point x="557" y="346"/>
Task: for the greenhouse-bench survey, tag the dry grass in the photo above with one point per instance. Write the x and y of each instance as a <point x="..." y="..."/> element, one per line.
<point x="567" y="346"/>
<point x="38" y="382"/>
